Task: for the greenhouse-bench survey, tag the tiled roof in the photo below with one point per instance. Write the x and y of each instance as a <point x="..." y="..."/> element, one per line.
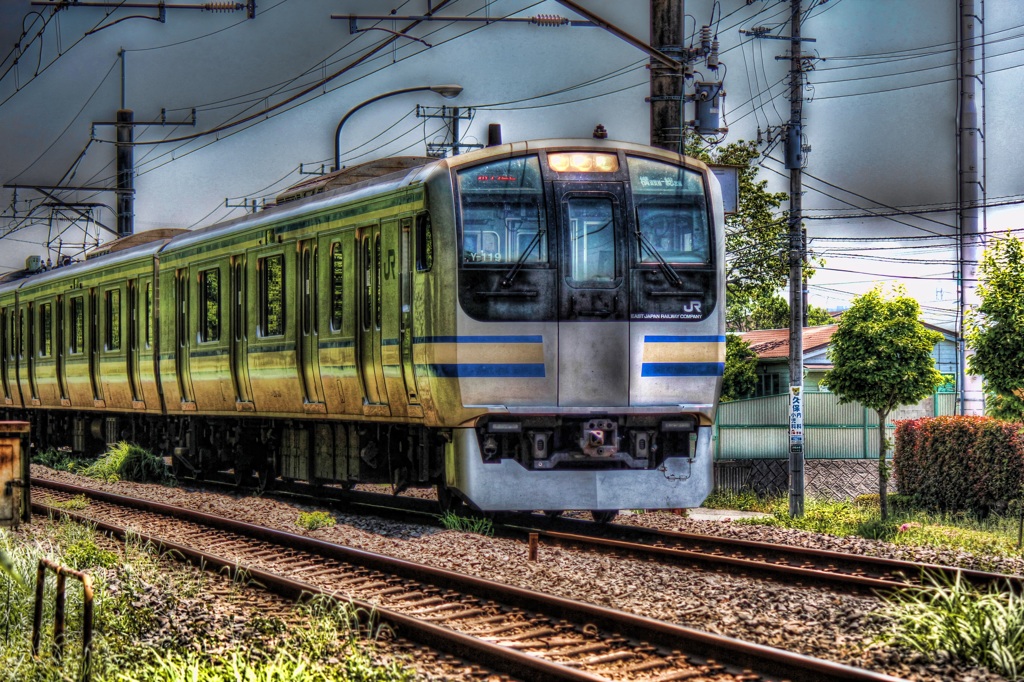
<point x="771" y="344"/>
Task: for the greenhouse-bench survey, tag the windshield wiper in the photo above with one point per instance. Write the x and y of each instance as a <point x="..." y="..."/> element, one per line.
<point x="506" y="281"/>
<point x="644" y="242"/>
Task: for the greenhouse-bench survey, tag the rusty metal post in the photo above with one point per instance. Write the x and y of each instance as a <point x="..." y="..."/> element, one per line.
<point x="37" y="616"/>
<point x="59" y="617"/>
<point x="534" y="540"/>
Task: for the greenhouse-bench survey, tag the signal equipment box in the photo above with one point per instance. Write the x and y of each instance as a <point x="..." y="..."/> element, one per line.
<point x="15" y="505"/>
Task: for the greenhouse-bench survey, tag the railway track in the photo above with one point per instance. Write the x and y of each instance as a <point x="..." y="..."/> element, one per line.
<point x="791" y="563"/>
<point x="517" y="632"/>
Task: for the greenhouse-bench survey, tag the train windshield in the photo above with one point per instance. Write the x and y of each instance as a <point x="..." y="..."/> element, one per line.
<point x="503" y="213"/>
<point x="671" y="211"/>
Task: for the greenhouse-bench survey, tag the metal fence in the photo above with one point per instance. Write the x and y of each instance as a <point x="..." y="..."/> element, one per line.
<point x="759" y="428"/>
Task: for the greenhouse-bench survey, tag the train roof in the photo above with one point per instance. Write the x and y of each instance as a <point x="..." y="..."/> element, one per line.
<point x="348" y="184"/>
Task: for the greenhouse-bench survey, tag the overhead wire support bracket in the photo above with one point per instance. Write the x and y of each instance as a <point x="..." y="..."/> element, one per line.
<point x="538" y="20"/>
<point x="249" y="6"/>
<point x="191" y="121"/>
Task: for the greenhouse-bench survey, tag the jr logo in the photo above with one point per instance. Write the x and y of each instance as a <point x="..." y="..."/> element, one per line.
<point x="692" y="307"/>
<point x="389" y="267"/>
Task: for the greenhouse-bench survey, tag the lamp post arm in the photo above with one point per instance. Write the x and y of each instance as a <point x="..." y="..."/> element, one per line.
<point x="337" y="133"/>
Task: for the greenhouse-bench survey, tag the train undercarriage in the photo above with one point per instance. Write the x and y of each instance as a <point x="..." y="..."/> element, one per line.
<point x="552" y="463"/>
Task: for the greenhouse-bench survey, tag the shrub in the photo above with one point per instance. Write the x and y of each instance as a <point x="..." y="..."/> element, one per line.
<point x="315" y="520"/>
<point x="128" y="462"/>
<point x="958" y="463"/>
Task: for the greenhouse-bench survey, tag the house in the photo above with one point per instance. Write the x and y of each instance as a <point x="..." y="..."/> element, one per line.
<point x="772" y="348"/>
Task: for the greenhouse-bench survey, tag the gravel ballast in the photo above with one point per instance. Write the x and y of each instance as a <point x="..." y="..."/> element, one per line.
<point x="816" y="621"/>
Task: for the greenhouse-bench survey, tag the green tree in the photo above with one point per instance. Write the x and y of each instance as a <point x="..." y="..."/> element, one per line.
<point x="881" y="357"/>
<point x="740" y="378"/>
<point x="765" y="310"/>
<point x="993" y="329"/>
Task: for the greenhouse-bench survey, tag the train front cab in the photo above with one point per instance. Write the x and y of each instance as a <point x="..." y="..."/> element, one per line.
<point x="590" y="329"/>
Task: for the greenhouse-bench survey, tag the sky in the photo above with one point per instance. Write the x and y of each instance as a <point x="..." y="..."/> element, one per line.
<point x="880" y="111"/>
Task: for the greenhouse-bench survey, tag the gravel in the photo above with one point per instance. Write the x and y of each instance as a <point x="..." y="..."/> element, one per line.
<point x="817" y="621"/>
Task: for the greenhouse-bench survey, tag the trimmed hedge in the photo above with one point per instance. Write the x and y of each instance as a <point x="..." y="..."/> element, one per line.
<point x="960" y="463"/>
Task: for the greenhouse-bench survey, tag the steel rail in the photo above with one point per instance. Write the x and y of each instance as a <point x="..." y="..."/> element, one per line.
<point x="766" y="660"/>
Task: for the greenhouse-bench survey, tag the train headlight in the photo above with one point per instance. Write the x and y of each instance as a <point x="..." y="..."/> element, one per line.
<point x="583" y="162"/>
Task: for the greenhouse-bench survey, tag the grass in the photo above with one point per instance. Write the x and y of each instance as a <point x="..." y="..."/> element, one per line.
<point x="127" y="462"/>
<point x="315" y="520"/>
<point x="995" y="536"/>
<point x="60" y="459"/>
<point x="743" y="500"/>
<point x="984" y="628"/>
<point x="135" y="592"/>
<point x="76" y="503"/>
<point x="467" y="524"/>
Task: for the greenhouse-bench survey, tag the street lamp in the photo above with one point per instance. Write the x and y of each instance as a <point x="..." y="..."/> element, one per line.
<point x="446" y="91"/>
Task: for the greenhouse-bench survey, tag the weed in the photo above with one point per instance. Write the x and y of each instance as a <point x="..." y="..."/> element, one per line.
<point x="315" y="520"/>
<point x="741" y="500"/>
<point x="125" y="461"/>
<point x="985" y="628"/>
<point x="467" y="524"/>
<point x="72" y="504"/>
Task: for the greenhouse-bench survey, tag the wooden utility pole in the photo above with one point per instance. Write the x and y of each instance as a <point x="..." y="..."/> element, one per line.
<point x="794" y="163"/>
<point x="666" y="82"/>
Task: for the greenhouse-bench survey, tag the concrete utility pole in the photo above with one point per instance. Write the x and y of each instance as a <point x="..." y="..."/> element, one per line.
<point x="667" y="83"/>
<point x="125" y="151"/>
<point x="970" y="144"/>
<point x="794" y="163"/>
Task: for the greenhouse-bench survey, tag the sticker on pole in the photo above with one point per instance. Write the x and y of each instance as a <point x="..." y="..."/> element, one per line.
<point x="796" y="416"/>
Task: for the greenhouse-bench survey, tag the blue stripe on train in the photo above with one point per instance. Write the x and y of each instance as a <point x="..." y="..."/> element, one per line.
<point x="683" y="339"/>
<point x="488" y="371"/>
<point x="682" y="369"/>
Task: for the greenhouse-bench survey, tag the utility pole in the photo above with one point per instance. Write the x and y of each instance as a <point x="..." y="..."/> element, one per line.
<point x="971" y="168"/>
<point x="125" y="152"/>
<point x="794" y="163"/>
<point x="667" y="83"/>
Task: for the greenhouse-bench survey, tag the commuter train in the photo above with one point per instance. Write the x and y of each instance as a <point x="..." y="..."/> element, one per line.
<point x="536" y="325"/>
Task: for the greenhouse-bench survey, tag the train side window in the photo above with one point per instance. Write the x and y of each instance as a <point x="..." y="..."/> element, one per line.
<point x="209" y="304"/>
<point x="424" y="243"/>
<point x="149" y="314"/>
<point x="45" y="330"/>
<point x="77" y="325"/>
<point x="271" y="295"/>
<point x="113" y="326"/>
<point x="337" y="285"/>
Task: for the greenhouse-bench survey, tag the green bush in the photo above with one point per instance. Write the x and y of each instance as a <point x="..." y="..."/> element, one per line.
<point x="128" y="462"/>
<point x="315" y="520"/>
<point x="960" y="463"/>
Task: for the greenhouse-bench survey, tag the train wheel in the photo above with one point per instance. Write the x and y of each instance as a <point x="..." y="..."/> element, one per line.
<point x="603" y="515"/>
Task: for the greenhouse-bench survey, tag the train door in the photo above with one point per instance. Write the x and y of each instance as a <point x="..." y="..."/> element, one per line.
<point x="182" y="346"/>
<point x="406" y="313"/>
<point x="239" y="334"/>
<point x="593" y="287"/>
<point x="369" y="339"/>
<point x="60" y="352"/>
<point x="30" y="334"/>
<point x="94" y="346"/>
<point x="5" y="356"/>
<point x="309" y="344"/>
<point x="395" y="312"/>
<point x="132" y="347"/>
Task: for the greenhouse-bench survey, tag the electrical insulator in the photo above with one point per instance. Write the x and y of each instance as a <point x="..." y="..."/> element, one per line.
<point x="713" y="55"/>
<point x="222" y="6"/>
<point x="705" y="39"/>
<point x="549" y="20"/>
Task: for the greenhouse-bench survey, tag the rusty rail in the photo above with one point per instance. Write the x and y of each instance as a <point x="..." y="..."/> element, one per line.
<point x="59" y="616"/>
